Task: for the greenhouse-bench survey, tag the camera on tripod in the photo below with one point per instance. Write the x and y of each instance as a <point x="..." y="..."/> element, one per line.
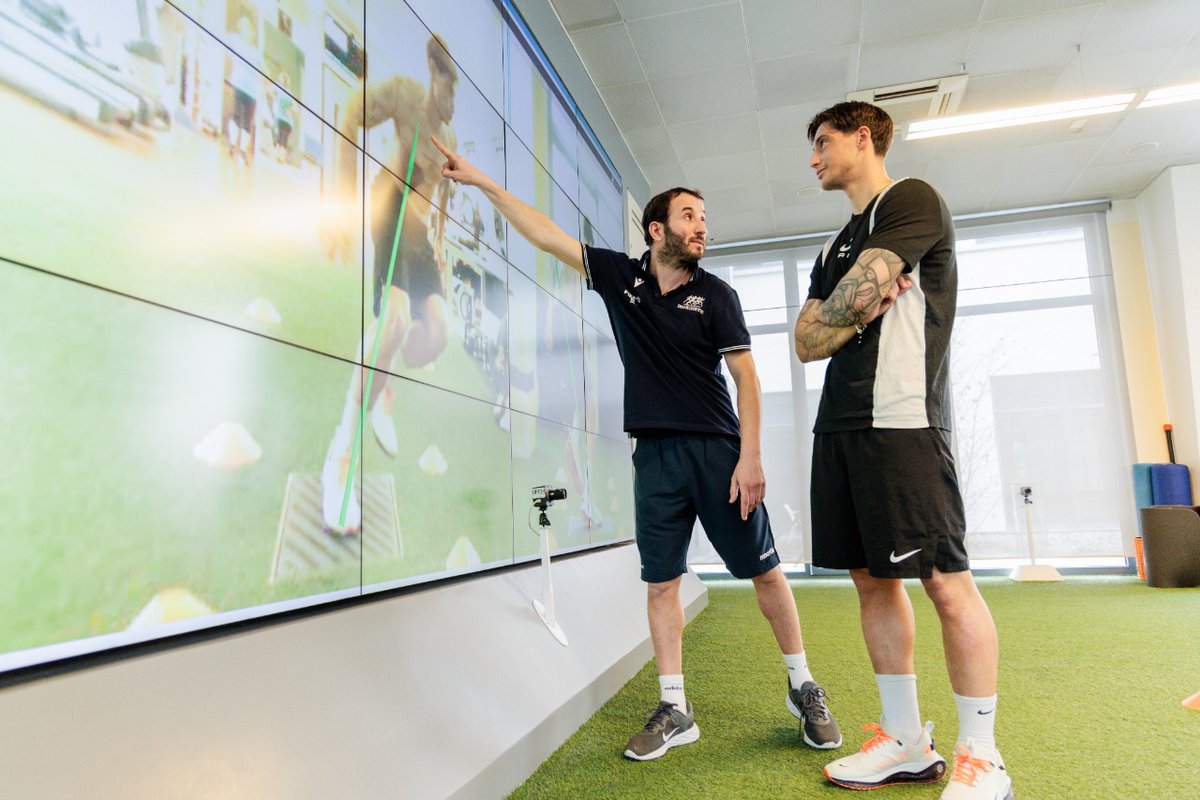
<point x="544" y="496"/>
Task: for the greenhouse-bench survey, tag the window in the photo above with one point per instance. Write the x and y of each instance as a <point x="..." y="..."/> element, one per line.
<point x="1036" y="381"/>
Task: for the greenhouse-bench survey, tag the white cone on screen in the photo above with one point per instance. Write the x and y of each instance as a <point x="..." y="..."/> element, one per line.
<point x="229" y="446"/>
<point x="170" y="605"/>
<point x="263" y="310"/>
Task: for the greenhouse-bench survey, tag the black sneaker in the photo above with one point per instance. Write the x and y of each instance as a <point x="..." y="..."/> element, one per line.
<point x="667" y="727"/>
<point x="807" y="704"/>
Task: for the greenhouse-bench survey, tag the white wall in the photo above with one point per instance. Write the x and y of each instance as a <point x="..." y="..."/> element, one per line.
<point x="1169" y="210"/>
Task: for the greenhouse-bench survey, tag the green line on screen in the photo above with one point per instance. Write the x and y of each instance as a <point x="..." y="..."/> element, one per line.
<point x="362" y="407"/>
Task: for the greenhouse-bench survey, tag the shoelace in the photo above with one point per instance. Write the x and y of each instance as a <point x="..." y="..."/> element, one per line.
<point x="812" y="704"/>
<point x="967" y="768"/>
<point x="659" y="718"/>
<point x="878" y="739"/>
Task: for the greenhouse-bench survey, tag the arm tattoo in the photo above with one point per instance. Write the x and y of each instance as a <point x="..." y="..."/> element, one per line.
<point x="814" y="339"/>
<point x="858" y="294"/>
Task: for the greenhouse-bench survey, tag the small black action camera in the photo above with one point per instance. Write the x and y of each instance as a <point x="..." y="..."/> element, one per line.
<point x="544" y="496"/>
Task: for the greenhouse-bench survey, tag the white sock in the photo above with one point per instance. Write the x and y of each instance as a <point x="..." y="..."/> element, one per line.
<point x="901" y="714"/>
<point x="797" y="667"/>
<point x="671" y="690"/>
<point x="977" y="721"/>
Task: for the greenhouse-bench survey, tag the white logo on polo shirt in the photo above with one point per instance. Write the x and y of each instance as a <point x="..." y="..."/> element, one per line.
<point x="694" y="303"/>
<point x="632" y="297"/>
<point x="637" y="282"/>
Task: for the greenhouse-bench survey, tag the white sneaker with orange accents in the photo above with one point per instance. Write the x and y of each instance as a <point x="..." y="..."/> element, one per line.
<point x="884" y="760"/>
<point x="979" y="774"/>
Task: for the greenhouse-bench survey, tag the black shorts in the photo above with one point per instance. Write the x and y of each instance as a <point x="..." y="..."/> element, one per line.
<point x="678" y="478"/>
<point x="416" y="270"/>
<point x="887" y="500"/>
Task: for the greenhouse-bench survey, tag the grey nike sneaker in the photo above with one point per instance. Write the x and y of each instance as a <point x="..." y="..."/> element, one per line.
<point x="668" y="727"/>
<point x="807" y="704"/>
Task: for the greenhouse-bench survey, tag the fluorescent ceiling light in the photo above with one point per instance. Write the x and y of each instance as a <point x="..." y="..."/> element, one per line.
<point x="1171" y="94"/>
<point x="1026" y="115"/>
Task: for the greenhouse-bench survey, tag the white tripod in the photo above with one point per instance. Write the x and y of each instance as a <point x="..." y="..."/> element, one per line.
<point x="1032" y="571"/>
<point x="545" y="606"/>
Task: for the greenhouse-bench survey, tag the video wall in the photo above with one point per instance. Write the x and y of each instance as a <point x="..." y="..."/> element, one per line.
<point x="257" y="353"/>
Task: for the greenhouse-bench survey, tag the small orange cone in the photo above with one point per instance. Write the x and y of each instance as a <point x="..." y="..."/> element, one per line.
<point x="1193" y="702"/>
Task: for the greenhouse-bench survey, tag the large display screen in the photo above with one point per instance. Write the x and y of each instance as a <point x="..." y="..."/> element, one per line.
<point x="257" y="353"/>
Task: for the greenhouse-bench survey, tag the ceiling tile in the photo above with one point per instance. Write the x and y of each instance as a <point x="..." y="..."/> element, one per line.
<point x="717" y="32"/>
<point x="1115" y="181"/>
<point x="638" y="9"/>
<point x="1027" y="43"/>
<point x="1141" y="25"/>
<point x="787" y="126"/>
<point x="651" y="146"/>
<point x="1007" y="9"/>
<point x="913" y="58"/>
<point x="749" y="199"/>
<point x="828" y="213"/>
<point x="741" y="225"/>
<point x="608" y="54"/>
<point x="966" y="196"/>
<point x="779" y="28"/>
<point x="1172" y="127"/>
<point x="704" y="95"/>
<point x="1184" y="66"/>
<point x="632" y="106"/>
<point x="718" y="137"/>
<point x="984" y="167"/>
<point x="1026" y="188"/>
<point x="1127" y="71"/>
<point x="1069" y="154"/>
<point x="663" y="176"/>
<point x="789" y="162"/>
<point x="887" y="19"/>
<point x="576" y="14"/>
<point x="824" y="76"/>
<point x="1009" y="90"/>
<point x="726" y="172"/>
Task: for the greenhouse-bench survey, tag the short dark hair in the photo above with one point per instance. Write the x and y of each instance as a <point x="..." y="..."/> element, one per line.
<point x="851" y="115"/>
<point x="659" y="208"/>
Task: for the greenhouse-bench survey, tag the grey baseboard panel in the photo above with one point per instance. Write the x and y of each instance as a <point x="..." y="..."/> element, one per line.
<point x="456" y="691"/>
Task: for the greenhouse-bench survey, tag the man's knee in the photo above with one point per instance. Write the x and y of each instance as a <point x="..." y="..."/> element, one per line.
<point x="664" y="590"/>
<point x="951" y="591"/>
<point x="769" y="579"/>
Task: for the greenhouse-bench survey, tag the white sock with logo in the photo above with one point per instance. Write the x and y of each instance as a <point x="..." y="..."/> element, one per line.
<point x="797" y="667"/>
<point x="671" y="690"/>
<point x="901" y="713"/>
<point x="977" y="721"/>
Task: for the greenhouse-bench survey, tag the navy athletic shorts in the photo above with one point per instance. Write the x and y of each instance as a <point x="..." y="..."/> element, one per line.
<point x="678" y="478"/>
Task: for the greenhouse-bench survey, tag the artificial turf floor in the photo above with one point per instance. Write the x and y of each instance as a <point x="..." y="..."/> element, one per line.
<point x="1093" y="671"/>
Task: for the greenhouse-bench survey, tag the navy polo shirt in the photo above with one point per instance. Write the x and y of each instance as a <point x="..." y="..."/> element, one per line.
<point x="671" y="345"/>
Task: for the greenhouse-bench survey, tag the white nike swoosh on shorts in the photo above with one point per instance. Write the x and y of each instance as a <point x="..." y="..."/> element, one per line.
<point x="895" y="559"/>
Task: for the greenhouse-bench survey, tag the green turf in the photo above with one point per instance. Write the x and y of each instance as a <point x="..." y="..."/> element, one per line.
<point x="1091" y="678"/>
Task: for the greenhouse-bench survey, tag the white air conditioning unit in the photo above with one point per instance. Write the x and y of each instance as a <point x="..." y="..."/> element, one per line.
<point x="935" y="97"/>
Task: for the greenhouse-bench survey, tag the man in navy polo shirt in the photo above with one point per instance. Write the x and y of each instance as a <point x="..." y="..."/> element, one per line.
<point x="695" y="457"/>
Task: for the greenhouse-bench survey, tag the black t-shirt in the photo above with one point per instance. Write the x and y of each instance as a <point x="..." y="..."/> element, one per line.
<point x="895" y="374"/>
<point x="671" y="344"/>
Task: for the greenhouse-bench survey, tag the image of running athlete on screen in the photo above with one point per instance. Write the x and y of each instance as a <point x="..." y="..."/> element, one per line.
<point x="412" y="308"/>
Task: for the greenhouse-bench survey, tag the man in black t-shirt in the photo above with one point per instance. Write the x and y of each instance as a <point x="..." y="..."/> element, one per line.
<point x="695" y="458"/>
<point x="885" y="497"/>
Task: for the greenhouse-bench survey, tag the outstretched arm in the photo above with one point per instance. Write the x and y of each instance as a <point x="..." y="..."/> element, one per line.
<point x="747" y="479"/>
<point x="867" y="291"/>
<point x="535" y="226"/>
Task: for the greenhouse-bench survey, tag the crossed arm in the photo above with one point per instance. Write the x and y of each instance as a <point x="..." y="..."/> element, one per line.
<point x="867" y="291"/>
<point x="535" y="226"/>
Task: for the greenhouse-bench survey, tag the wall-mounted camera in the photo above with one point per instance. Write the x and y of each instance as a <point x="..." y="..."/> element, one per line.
<point x="544" y="496"/>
